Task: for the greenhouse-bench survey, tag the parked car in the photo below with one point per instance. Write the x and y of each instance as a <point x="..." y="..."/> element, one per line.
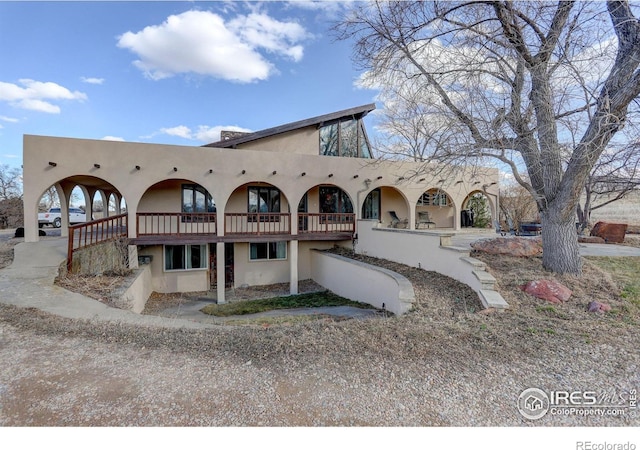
<point x="53" y="217"/>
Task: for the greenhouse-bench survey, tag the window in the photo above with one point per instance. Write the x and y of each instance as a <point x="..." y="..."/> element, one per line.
<point x="346" y="138"/>
<point x="185" y="257"/>
<point x="434" y="198"/>
<point x="264" y="199"/>
<point x="267" y="250"/>
<point x="334" y="200"/>
<point x="371" y="206"/>
<point x="196" y="199"/>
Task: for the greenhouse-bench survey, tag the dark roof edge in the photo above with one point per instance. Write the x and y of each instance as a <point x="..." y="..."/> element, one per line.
<point x="359" y="111"/>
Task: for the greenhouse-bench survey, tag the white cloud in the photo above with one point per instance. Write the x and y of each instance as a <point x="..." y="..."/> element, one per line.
<point x="179" y="131"/>
<point x="112" y="138"/>
<point x="9" y="156"/>
<point x="37" y="95"/>
<point x="9" y="119"/>
<point x="204" y="133"/>
<point x="201" y="42"/>
<point x="92" y="80"/>
<point x="262" y="31"/>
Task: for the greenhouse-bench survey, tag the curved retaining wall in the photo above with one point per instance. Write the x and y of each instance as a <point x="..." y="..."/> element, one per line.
<point x="362" y="282"/>
<point x="429" y="250"/>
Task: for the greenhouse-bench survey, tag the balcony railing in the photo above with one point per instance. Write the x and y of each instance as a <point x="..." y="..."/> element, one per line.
<point x="175" y="224"/>
<point x="326" y="223"/>
<point x="257" y="223"/>
<point x="89" y="233"/>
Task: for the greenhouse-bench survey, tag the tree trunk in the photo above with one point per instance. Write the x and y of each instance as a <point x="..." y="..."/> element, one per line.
<point x="560" y="250"/>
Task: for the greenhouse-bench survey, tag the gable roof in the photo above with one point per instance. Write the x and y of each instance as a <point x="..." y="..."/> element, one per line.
<point x="356" y="112"/>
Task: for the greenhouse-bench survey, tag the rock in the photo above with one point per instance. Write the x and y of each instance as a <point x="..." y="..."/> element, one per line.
<point x="512" y="246"/>
<point x="598" y="307"/>
<point x="591" y="240"/>
<point x="548" y="290"/>
<point x="610" y="232"/>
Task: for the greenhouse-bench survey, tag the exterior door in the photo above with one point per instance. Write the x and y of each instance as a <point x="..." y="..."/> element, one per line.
<point x="228" y="269"/>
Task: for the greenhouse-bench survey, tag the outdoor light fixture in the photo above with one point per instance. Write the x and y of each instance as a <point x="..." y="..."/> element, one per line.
<point x="330" y="175"/>
<point x="210" y="170"/>
<point x="379" y="178"/>
<point x="303" y="174"/>
<point x="274" y="172"/>
<point x="52" y="164"/>
<point x="243" y="171"/>
<point x="97" y="166"/>
<point x="356" y="176"/>
<point x="175" y="169"/>
<point x="137" y="167"/>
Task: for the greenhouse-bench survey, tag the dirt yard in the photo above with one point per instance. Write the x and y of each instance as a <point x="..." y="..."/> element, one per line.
<point x="444" y="364"/>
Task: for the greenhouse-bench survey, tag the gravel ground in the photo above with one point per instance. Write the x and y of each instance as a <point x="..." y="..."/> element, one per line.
<point x="440" y="365"/>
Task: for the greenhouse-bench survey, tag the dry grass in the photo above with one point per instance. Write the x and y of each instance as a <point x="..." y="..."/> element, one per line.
<point x="104" y="288"/>
<point x="6" y="251"/>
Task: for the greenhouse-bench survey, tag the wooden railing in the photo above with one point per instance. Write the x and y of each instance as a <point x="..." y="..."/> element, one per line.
<point x="257" y="223"/>
<point x="175" y="224"/>
<point x="326" y="223"/>
<point x="89" y="233"/>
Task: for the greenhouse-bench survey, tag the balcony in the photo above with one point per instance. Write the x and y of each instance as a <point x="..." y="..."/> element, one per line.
<point x="157" y="228"/>
<point x="326" y="226"/>
<point x="257" y="224"/>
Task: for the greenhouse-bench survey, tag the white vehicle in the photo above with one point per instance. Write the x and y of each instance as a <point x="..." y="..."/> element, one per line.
<point x="53" y="217"/>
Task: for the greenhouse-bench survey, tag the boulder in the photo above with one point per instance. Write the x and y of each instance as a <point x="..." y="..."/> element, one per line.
<point x="598" y="307"/>
<point x="548" y="290"/>
<point x="591" y="240"/>
<point x="512" y="246"/>
<point x="610" y="232"/>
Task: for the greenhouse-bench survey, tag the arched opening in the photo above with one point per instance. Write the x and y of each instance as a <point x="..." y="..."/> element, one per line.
<point x="326" y="208"/>
<point x="435" y="208"/>
<point x="476" y="211"/>
<point x="70" y="201"/>
<point x="387" y="205"/>
<point x="174" y="207"/>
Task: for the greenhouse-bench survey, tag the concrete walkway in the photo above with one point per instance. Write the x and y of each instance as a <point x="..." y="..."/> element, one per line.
<point x="465" y="240"/>
<point x="29" y="283"/>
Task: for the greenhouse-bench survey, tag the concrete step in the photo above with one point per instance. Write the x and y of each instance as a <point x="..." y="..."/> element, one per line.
<point x="476" y="263"/>
<point x="487" y="281"/>
<point x="492" y="299"/>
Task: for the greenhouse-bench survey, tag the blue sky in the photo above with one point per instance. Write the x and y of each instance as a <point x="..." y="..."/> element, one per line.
<point x="167" y="72"/>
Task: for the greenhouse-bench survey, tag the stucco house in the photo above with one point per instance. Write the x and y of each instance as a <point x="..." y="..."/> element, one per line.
<point x="247" y="210"/>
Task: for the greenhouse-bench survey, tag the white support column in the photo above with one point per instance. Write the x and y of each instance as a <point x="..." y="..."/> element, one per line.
<point x="221" y="272"/>
<point x="293" y="266"/>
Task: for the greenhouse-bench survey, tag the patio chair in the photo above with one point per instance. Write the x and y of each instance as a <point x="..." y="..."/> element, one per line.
<point x="424" y="218"/>
<point x="396" y="221"/>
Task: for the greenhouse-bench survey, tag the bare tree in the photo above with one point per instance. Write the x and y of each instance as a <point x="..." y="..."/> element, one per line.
<point x="506" y="75"/>
<point x="614" y="176"/>
<point x="10" y="182"/>
<point x="517" y="204"/>
<point x="11" y="207"/>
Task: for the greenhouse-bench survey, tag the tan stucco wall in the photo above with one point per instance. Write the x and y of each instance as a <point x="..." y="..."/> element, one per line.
<point x="362" y="282"/>
<point x="196" y="280"/>
<point x="76" y="157"/>
<point x="304" y="141"/>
